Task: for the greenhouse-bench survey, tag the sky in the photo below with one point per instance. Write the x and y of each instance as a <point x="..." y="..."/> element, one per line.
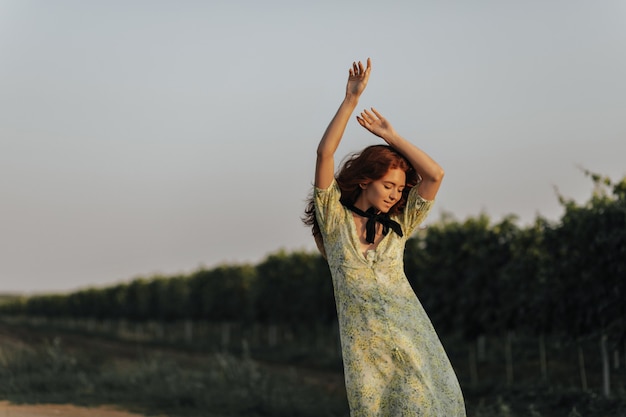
<point x="157" y="137"/>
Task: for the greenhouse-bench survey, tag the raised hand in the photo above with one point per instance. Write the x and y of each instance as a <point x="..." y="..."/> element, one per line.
<point x="377" y="124"/>
<point x="325" y="165"/>
<point x="357" y="80"/>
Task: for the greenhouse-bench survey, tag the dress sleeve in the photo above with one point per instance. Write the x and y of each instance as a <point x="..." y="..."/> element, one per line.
<point x="327" y="206"/>
<point x="415" y="211"/>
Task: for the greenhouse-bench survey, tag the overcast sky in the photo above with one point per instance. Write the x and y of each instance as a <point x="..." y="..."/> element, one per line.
<point x="145" y="137"/>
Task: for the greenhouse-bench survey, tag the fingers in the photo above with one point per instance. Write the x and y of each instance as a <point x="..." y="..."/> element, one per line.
<point x="357" y="69"/>
<point x="380" y="116"/>
<point x="366" y="123"/>
<point x="370" y="117"/>
<point x="363" y="119"/>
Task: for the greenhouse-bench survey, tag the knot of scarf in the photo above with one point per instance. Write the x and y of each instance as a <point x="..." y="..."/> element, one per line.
<point x="372" y="219"/>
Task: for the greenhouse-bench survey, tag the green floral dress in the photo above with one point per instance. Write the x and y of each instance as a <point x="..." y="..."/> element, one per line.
<point x="394" y="363"/>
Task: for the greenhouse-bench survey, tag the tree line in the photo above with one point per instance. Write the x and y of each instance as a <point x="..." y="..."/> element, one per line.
<point x="476" y="278"/>
<point x="471" y="276"/>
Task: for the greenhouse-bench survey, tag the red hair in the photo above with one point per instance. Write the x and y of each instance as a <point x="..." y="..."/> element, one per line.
<point x="371" y="164"/>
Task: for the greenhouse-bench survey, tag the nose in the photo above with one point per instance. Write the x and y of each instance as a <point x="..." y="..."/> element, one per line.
<point x="393" y="195"/>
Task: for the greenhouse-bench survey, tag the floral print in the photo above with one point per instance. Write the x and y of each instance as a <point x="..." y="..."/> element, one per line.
<point x="394" y="362"/>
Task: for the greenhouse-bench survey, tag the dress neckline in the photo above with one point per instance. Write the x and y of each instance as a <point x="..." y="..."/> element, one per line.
<point x="356" y="242"/>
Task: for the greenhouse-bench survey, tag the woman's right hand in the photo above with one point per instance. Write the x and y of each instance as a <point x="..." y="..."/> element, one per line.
<point x="325" y="165"/>
<point x="357" y="81"/>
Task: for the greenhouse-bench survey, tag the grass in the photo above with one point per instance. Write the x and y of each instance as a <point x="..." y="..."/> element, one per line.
<point x="43" y="365"/>
<point x="155" y="383"/>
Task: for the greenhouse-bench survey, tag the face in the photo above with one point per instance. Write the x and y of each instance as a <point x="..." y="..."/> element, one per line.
<point x="383" y="193"/>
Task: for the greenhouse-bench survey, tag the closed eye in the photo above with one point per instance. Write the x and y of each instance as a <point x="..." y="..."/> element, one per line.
<point x="389" y="186"/>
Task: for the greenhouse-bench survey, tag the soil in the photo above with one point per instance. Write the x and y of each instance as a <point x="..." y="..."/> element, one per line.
<point x="54" y="410"/>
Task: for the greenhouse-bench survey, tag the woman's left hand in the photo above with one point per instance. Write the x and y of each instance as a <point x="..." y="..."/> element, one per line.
<point x="376" y="123"/>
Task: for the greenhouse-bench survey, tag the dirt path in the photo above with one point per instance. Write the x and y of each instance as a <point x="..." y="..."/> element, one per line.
<point x="55" y="410"/>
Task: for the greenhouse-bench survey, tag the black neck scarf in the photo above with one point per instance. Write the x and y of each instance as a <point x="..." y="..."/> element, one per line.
<point x="372" y="218"/>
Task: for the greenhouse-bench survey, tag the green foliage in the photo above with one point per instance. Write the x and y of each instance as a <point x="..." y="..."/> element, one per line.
<point x="566" y="277"/>
<point x="219" y="384"/>
<point x="13" y="304"/>
<point x="221" y="294"/>
<point x="459" y="273"/>
<point x="9" y="298"/>
<point x="529" y="294"/>
<point x="293" y="288"/>
<point x="474" y="277"/>
<point x="587" y="253"/>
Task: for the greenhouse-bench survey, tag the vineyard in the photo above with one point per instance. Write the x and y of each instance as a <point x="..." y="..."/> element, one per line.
<point x="536" y="309"/>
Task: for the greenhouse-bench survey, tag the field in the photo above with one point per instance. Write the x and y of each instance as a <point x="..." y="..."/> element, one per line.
<point x="44" y="365"/>
<point x="39" y="366"/>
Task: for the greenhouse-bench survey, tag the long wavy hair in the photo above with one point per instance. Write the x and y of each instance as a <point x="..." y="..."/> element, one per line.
<point x="371" y="164"/>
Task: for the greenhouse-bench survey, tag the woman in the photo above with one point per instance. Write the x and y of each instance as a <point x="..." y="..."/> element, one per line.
<point x="394" y="363"/>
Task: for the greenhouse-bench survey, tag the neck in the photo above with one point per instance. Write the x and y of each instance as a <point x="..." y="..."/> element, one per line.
<point x="363" y="204"/>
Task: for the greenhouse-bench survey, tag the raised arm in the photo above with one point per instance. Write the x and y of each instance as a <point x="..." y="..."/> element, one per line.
<point x="325" y="164"/>
<point x="426" y="167"/>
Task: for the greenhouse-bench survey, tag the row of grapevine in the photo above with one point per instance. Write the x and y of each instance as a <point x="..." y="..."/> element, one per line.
<point x="285" y="288"/>
<point x="471" y="276"/>
<point x="561" y="280"/>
